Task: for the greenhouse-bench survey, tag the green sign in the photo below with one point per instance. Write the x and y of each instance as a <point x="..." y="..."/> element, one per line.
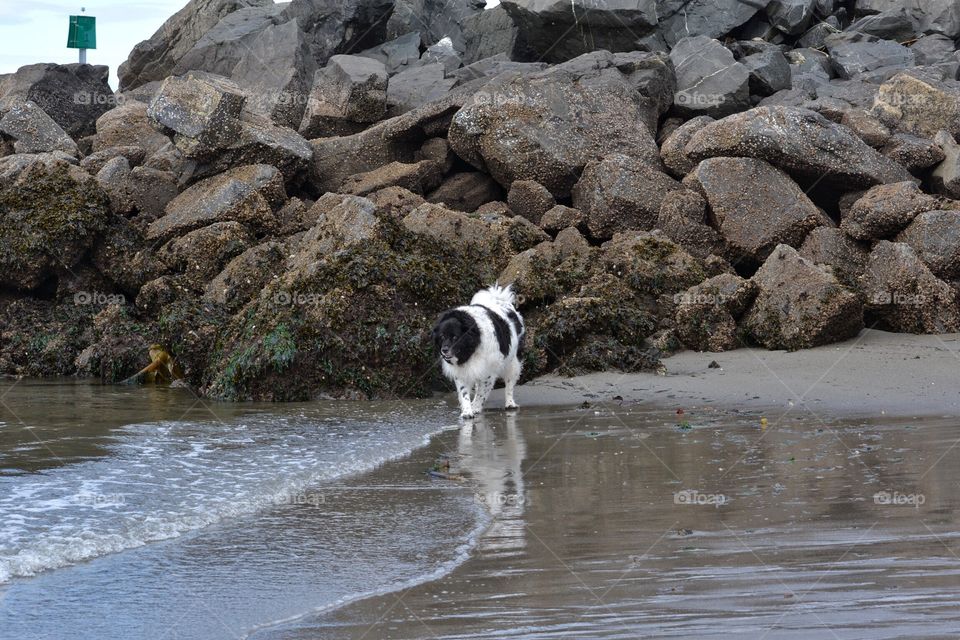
<point x="83" y="33"/>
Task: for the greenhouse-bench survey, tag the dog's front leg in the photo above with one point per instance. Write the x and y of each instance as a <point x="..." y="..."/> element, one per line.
<point x="484" y="388"/>
<point x="463" y="393"/>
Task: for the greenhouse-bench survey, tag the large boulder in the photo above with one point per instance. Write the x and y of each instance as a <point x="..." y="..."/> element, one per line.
<point x="832" y="247"/>
<point x="904" y="295"/>
<point x="800" y="305"/>
<point x="417" y="86"/>
<point x="852" y="58"/>
<point x="466" y="191"/>
<point x="755" y="220"/>
<point x="49" y="218"/>
<point x="791" y="16"/>
<point x="433" y="19"/>
<point x="201" y="254"/>
<point x="247" y="274"/>
<point x="709" y="80"/>
<point x="683" y="217"/>
<point x="492" y="33"/>
<point x="530" y="199"/>
<point x="945" y="178"/>
<point x="619" y="193"/>
<point x="418" y="177"/>
<point x="156" y="58"/>
<point x="139" y="191"/>
<point x="398" y="54"/>
<point x="712" y="18"/>
<point x="556" y="30"/>
<point x="221" y="48"/>
<point x="917" y="104"/>
<point x="935" y="237"/>
<point x="673" y="149"/>
<point x="33" y="131"/>
<point x="884" y="210"/>
<point x="707" y="313"/>
<point x="932" y="16"/>
<point x="200" y="110"/>
<point x="124" y="256"/>
<point x="916" y="154"/>
<point x="650" y="263"/>
<point x="548" y="126"/>
<point x="260" y="141"/>
<point x="276" y="73"/>
<point x="347" y="94"/>
<point x="128" y="125"/>
<point x="340" y="26"/>
<point x="246" y="194"/>
<point x="73" y="95"/>
<point x="337" y="158"/>
<point x="799" y="141"/>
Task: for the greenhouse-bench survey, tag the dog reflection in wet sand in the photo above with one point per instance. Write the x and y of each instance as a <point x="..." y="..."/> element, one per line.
<point x="479" y="343"/>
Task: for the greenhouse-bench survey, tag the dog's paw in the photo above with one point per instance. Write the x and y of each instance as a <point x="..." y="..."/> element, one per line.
<point x="467" y="415"/>
<point x="513" y="406"/>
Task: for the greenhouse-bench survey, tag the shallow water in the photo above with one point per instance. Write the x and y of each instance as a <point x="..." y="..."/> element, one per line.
<point x="146" y="513"/>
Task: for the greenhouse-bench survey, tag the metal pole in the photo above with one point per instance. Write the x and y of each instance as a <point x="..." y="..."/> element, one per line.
<point x="83" y="56"/>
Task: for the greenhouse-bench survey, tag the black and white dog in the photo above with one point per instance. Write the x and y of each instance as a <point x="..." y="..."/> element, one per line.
<point x="479" y="343"/>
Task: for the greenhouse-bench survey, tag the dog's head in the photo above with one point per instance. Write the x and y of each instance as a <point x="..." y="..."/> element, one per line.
<point x="456" y="336"/>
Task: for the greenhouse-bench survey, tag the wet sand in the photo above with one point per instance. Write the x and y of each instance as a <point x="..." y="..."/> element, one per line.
<point x="877" y="373"/>
<point x="639" y="523"/>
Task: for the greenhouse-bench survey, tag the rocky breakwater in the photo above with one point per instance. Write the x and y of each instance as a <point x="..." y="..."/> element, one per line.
<point x="287" y="195"/>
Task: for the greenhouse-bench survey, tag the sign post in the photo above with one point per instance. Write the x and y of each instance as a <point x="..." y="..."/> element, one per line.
<point x="82" y="35"/>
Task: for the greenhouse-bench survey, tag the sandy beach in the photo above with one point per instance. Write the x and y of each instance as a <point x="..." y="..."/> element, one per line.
<point x="877" y="373"/>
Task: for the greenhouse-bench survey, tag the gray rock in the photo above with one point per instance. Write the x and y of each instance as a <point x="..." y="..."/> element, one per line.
<point x="709" y="80"/>
<point x="682" y="218"/>
<point x="466" y="191"/>
<point x="260" y="141"/>
<point x="417" y="86"/>
<point x="706" y="314"/>
<point x="492" y="33"/>
<point x="945" y="179"/>
<point x="73" y="95"/>
<point x="128" y="125"/>
<point x="562" y="217"/>
<point x="433" y="19"/>
<point x="200" y="110"/>
<point x="201" y="254"/>
<point x="558" y="30"/>
<point x="418" y="177"/>
<point x="935" y="237"/>
<point x="33" y="131"/>
<point x="547" y="126"/>
<point x="156" y="58"/>
<point x="246" y="275"/>
<point x="791" y="16"/>
<point x="276" y="73"/>
<point x="443" y="53"/>
<point x="916" y="154"/>
<point x="884" y="210"/>
<point x="800" y="305"/>
<point x="867" y="127"/>
<point x="904" y="295"/>
<point x="336" y="158"/>
<point x="753" y="221"/>
<point x="673" y="150"/>
<point x="247" y="194"/>
<point x="911" y="102"/>
<point x="893" y="24"/>
<point x="221" y="48"/>
<point x="530" y="199"/>
<point x="340" y="26"/>
<point x="134" y="155"/>
<point x="712" y="18"/>
<point x="140" y="191"/>
<point x="816" y="36"/>
<point x="12" y="166"/>
<point x="620" y="193"/>
<point x="851" y="59"/>
<point x="347" y="94"/>
<point x="396" y="54"/>
<point x="493" y="66"/>
<point x="769" y="71"/>
<point x="932" y="49"/>
<point x="799" y="141"/>
<point x="832" y="247"/>
<point x="932" y="16"/>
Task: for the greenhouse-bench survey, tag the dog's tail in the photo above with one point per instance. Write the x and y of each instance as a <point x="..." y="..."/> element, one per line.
<point x="495" y="296"/>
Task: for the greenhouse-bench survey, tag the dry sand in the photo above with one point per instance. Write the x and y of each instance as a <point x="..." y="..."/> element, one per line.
<point x="876" y="373"/>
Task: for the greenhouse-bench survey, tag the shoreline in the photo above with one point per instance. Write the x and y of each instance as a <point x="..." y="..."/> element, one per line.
<point x="875" y="374"/>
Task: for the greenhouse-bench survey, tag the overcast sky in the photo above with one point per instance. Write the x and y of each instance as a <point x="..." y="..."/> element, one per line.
<point x="36" y="30"/>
